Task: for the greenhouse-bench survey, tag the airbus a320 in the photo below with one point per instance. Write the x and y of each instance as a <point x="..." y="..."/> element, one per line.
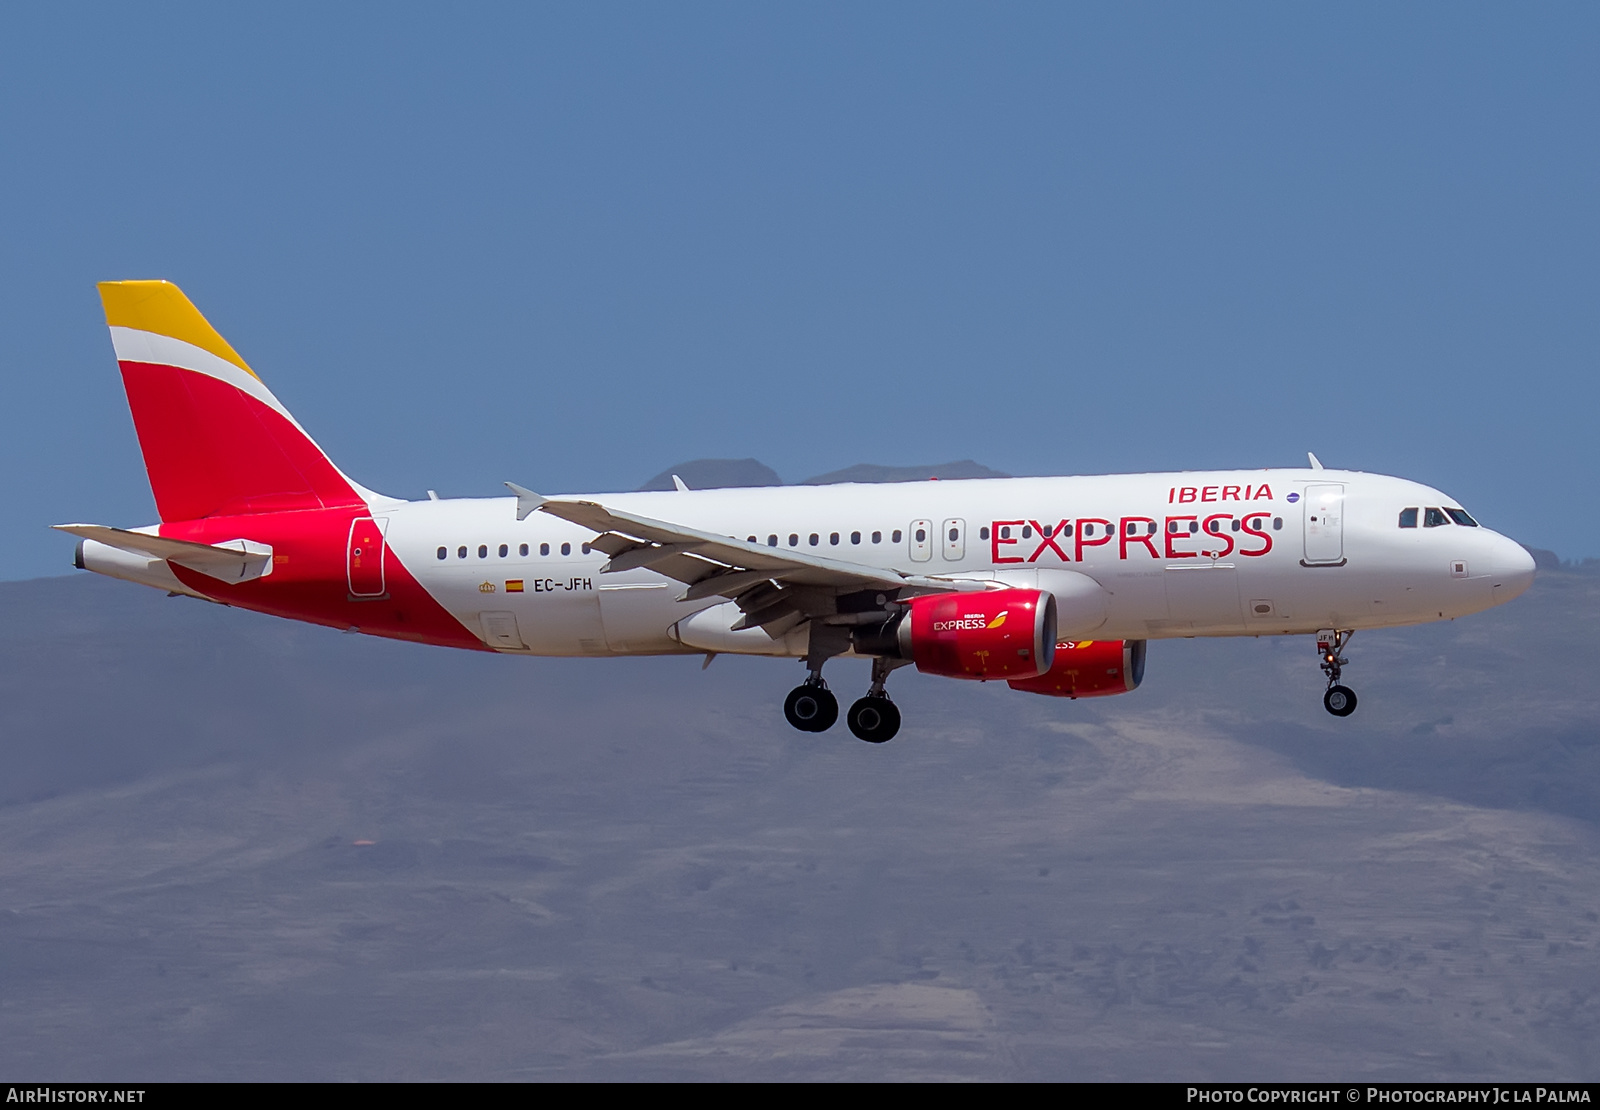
<point x="1052" y="585"/>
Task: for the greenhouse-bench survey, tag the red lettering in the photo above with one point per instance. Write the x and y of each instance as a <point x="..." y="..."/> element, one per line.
<point x="1145" y="536"/>
<point x="1218" y="533"/>
<point x="1263" y="491"/>
<point x="1209" y="493"/>
<point x="995" y="541"/>
<point x="1230" y="496"/>
<point x="1260" y="534"/>
<point x="1172" y="535"/>
<point x="1079" y="543"/>
<point x="1187" y="494"/>
<point x="1049" y="541"/>
<point x="1171" y="493"/>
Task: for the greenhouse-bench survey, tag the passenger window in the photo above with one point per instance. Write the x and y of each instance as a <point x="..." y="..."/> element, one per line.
<point x="877" y="537"/>
<point x="1408" y="518"/>
<point x="1277" y="524"/>
<point x="749" y="539"/>
<point x="504" y="551"/>
<point x="895" y="536"/>
<point x="772" y="541"/>
<point x="586" y="549"/>
<point x="833" y="538"/>
<point x="1005" y="533"/>
<point x="1433" y="518"/>
<point x="1027" y="531"/>
<point x="523" y="550"/>
<point x="1235" y="525"/>
<point x="483" y="551"/>
<point x="922" y="536"/>
<point x="813" y="540"/>
<point x="1460" y="517"/>
<point x="442" y="553"/>
<point x="544" y="549"/>
<point x="855" y="537"/>
<point x="955" y="534"/>
<point x="566" y="549"/>
<point x="794" y="539"/>
<point x="461" y="553"/>
<point x="983" y="533"/>
<point x="1194" y="526"/>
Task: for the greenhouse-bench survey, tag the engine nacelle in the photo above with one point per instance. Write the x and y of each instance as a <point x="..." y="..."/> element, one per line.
<point x="1089" y="669"/>
<point x="980" y="635"/>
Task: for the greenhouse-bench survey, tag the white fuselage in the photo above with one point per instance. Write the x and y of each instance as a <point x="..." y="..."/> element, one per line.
<point x="1225" y="553"/>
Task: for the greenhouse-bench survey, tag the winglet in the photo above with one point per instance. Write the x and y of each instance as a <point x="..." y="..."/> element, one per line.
<point x="679" y="484"/>
<point x="527" y="500"/>
<point x="1316" y="463"/>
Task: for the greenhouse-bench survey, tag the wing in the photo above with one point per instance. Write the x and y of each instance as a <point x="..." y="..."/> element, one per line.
<point x="776" y="589"/>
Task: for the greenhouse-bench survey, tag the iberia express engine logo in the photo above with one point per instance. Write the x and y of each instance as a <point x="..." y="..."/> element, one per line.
<point x="973" y="622"/>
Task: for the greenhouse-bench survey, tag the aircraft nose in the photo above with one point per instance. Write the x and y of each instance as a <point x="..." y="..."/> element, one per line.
<point x="1512" y="569"/>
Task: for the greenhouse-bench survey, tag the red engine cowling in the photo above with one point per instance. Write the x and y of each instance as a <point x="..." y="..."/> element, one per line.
<point x="983" y="635"/>
<point x="1089" y="669"/>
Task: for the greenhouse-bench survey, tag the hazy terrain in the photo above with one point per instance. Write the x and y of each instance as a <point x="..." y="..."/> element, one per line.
<point x="632" y="869"/>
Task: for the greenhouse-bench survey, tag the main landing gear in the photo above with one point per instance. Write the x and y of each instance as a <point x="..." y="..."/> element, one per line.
<point x="811" y="706"/>
<point x="1339" y="700"/>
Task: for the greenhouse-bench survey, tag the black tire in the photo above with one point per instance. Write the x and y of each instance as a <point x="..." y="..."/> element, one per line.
<point x="1340" y="701"/>
<point x="811" y="708"/>
<point x="874" y="720"/>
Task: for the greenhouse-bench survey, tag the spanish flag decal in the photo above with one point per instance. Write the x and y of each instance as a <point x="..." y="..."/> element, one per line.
<point x="514" y="586"/>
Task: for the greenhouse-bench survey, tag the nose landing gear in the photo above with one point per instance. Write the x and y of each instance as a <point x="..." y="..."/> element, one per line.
<point x="1339" y="700"/>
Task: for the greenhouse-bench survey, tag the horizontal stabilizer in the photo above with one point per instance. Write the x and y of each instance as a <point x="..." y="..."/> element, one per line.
<point x="231" y="561"/>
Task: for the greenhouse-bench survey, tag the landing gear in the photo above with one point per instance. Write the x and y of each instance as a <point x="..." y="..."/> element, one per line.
<point x="1339" y="700"/>
<point x="874" y="718"/>
<point x="811" y="706"/>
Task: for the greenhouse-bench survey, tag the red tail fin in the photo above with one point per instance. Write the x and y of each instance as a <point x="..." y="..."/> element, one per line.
<point x="215" y="440"/>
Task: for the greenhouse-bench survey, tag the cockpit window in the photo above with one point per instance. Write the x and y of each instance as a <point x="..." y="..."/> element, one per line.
<point x="1460" y="517"/>
<point x="1433" y="518"/>
<point x="1408" y="518"/>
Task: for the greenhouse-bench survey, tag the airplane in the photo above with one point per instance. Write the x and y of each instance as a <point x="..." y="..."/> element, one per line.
<point x="1052" y="585"/>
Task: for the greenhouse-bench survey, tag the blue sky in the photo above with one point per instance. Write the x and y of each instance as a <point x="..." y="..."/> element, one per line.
<point x="570" y="246"/>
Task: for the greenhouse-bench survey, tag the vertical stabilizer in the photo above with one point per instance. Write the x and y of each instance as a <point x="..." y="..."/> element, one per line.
<point x="216" y="442"/>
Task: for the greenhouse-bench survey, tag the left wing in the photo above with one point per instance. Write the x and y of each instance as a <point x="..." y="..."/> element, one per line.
<point x="776" y="589"/>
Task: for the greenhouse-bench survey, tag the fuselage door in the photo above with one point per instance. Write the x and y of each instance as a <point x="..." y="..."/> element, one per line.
<point x="364" y="557"/>
<point x="953" y="534"/>
<point x="1324" y="525"/>
<point x="920" y="536"/>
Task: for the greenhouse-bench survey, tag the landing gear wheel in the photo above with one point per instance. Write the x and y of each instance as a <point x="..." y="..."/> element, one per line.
<point x="811" y="707"/>
<point x="1340" y="701"/>
<point x="874" y="719"/>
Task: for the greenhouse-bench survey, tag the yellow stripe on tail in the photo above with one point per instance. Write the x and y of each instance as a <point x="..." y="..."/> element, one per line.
<point x="161" y="307"/>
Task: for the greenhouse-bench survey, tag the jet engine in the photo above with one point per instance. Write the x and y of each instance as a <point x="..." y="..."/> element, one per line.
<point x="987" y="634"/>
<point x="1089" y="669"/>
